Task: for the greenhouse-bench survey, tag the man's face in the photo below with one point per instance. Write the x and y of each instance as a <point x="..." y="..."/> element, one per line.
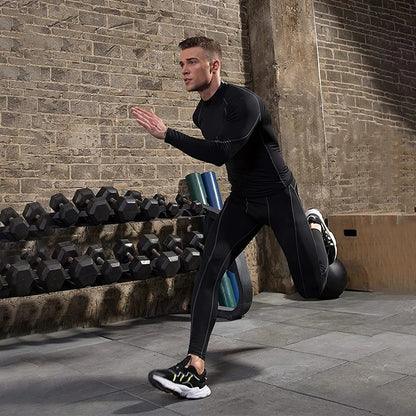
<point x="197" y="70"/>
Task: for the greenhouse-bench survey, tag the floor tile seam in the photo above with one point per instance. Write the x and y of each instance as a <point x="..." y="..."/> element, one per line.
<point x="174" y="325"/>
<point x="348" y="330"/>
<point x="314" y="396"/>
<point x="337" y="331"/>
<point x="233" y="338"/>
<point x="305" y="326"/>
<point x="394" y="332"/>
<point x="395" y="381"/>
<point x="357" y="361"/>
<point x="229" y="358"/>
<point x="157" y="331"/>
<point x="154" y="403"/>
<point x="278" y="304"/>
<point x="39" y="360"/>
<point x="324" y="332"/>
<point x="87" y="399"/>
<point x="69" y="349"/>
<point x="365" y="314"/>
<point x="251" y="343"/>
<point x="349" y="312"/>
<point x="343" y="360"/>
<point x="283" y="321"/>
<point x="241" y="331"/>
<point x="262" y="344"/>
<point x="147" y="349"/>
<point x="116" y="389"/>
<point x="39" y="346"/>
<point x="404" y="375"/>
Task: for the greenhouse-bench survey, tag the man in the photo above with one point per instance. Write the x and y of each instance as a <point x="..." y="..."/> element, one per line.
<point x="237" y="129"/>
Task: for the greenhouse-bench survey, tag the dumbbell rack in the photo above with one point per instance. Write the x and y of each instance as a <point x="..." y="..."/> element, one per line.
<point x="35" y="234"/>
<point x="239" y="267"/>
<point x="54" y="233"/>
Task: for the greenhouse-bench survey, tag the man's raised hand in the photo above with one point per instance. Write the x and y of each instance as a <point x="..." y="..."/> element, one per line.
<point x="150" y="121"/>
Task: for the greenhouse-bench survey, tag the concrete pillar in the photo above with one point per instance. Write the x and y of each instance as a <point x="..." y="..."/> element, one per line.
<point x="285" y="71"/>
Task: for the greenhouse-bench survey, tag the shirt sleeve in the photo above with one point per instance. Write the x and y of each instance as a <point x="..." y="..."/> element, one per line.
<point x="239" y="120"/>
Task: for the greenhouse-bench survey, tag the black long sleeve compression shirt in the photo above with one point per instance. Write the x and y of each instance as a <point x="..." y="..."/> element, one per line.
<point x="237" y="129"/>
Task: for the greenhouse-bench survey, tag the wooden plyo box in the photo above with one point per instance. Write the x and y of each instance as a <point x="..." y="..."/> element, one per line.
<point x="377" y="250"/>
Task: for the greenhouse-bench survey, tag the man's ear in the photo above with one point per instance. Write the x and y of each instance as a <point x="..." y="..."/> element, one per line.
<point x="215" y="65"/>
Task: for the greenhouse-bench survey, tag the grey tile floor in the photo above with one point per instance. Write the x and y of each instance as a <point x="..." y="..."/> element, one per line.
<point x="352" y="356"/>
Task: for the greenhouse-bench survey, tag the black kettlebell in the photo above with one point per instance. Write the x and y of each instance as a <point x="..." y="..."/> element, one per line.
<point x="337" y="281"/>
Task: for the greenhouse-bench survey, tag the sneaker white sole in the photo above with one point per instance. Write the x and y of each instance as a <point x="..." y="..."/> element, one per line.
<point x="183" y="391"/>
<point x="318" y="214"/>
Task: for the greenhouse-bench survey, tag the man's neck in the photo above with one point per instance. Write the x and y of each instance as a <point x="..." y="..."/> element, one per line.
<point x="207" y="93"/>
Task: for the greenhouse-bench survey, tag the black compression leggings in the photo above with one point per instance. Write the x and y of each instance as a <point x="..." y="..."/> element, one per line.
<point x="236" y="225"/>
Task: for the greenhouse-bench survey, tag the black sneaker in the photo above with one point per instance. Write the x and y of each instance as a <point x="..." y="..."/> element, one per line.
<point x="182" y="380"/>
<point x="314" y="216"/>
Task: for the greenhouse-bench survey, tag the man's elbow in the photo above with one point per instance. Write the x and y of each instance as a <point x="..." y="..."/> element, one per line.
<point x="219" y="161"/>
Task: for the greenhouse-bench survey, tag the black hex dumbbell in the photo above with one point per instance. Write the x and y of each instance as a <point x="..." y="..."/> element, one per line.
<point x="139" y="266"/>
<point x="168" y="209"/>
<point x="148" y="207"/>
<point x="81" y="269"/>
<point x="66" y="213"/>
<point x="97" y="210"/>
<point x="166" y="263"/>
<point x="37" y="217"/>
<point x="110" y="270"/>
<point x="189" y="257"/>
<point x="50" y="274"/>
<point x="19" y="276"/>
<point x="125" y="208"/>
<point x="195" y="239"/>
<point x="195" y="207"/>
<point x="16" y="226"/>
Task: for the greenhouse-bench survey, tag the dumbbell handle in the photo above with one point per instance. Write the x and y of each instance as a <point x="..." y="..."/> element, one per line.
<point x="162" y="201"/>
<point x="9" y="219"/>
<point x="38" y="259"/>
<point x="112" y="200"/>
<point x="198" y="245"/>
<point x="61" y="204"/>
<point x="187" y="200"/>
<point x="99" y="260"/>
<point x="177" y="250"/>
<point x="7" y="267"/>
<point x="155" y="252"/>
<point x="130" y="256"/>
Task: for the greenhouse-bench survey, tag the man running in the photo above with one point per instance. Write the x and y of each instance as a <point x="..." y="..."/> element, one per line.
<point x="238" y="132"/>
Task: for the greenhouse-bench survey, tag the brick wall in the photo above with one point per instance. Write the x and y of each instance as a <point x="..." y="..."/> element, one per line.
<point x="368" y="66"/>
<point x="71" y="70"/>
